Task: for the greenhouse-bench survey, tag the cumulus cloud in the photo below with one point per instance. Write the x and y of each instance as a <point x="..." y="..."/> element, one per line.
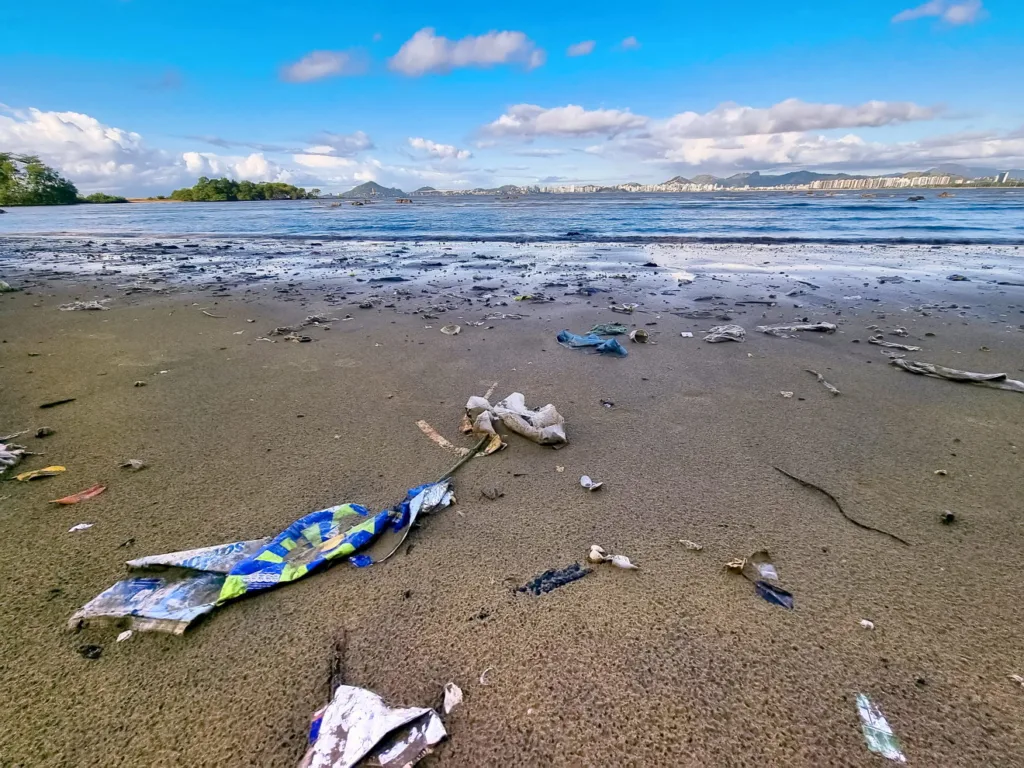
<point x="426" y="52"/>
<point x="793" y="115"/>
<point x="317" y="65"/>
<point x="440" y="151"/>
<point x="630" y="43"/>
<point x="950" y="11"/>
<point x="254" y="167"/>
<point x="581" y="49"/>
<point x="527" y="121"/>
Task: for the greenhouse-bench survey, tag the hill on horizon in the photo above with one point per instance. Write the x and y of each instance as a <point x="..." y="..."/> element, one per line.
<point x="373" y="189"/>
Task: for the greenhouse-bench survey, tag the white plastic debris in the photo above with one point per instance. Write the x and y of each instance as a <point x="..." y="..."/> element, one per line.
<point x="786" y="395"/>
<point x="80" y="527"/>
<point x="1018" y="679"/>
<point x="10" y="455"/>
<point x="452" y="697"/>
<point x="598" y="555"/>
<point x="867" y="624"/>
<point x="544" y="426"/>
<point x="686" y="335"/>
<point x="877" y="732"/>
<point x="640" y="336"/>
<point x="621" y="561"/>
<point x="451" y="329"/>
<point x="992" y="380"/>
<point x="358" y="724"/>
<point x="589" y="484"/>
<point x="134" y="465"/>
<point x="691" y="545"/>
<point x="725" y="333"/>
<point x="124" y="635"/>
<point x="83" y="305"/>
<point x="784" y="330"/>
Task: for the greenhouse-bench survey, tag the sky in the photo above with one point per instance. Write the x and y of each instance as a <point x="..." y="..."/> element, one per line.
<point x="139" y="97"/>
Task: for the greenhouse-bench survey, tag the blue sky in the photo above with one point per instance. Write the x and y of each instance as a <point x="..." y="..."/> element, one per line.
<point x="138" y="96"/>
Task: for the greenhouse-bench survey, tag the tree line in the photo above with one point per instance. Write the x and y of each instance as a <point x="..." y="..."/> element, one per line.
<point x="222" y="190"/>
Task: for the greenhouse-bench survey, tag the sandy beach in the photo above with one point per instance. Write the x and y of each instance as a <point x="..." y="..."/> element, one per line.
<point x="678" y="663"/>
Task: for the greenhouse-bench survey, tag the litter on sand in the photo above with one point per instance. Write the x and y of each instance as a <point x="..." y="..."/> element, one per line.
<point x="992" y="380"/>
<point x="598" y="555"/>
<point x="625" y="309"/>
<point x="607" y="329"/>
<point x="544" y="426"/>
<point x="166" y="593"/>
<point x="785" y="331"/>
<point x="824" y="383"/>
<point x="554" y="578"/>
<point x="589" y="484"/>
<point x="36" y="474"/>
<point x="725" y="333"/>
<point x="83" y="305"/>
<point x="451" y="329"/>
<point x="601" y="346"/>
<point x="877" y="733"/>
<point x="80" y="527"/>
<point x="686" y="335"/>
<point x="640" y="336"/>
<point x="124" y="635"/>
<point x="88" y="493"/>
<point x="134" y="465"/>
<point x="692" y="545"/>
<point x="452" y="697"/>
<point x="10" y="455"/>
<point x="55" y="403"/>
<point x="6" y="287"/>
<point x="786" y="394"/>
<point x="881" y="342"/>
<point x="867" y="624"/>
<point x="357" y="724"/>
<point x="842" y="511"/>
<point x="759" y="570"/>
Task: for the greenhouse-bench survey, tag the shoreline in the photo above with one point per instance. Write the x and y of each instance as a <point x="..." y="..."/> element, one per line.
<point x="244" y="435"/>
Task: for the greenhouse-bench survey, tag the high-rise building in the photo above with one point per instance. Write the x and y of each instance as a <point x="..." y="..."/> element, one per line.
<point x="1003" y="178"/>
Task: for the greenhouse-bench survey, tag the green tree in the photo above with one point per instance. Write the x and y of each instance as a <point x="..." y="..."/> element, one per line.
<point x="102" y="197"/>
<point x="26" y="180"/>
<point x="207" y="190"/>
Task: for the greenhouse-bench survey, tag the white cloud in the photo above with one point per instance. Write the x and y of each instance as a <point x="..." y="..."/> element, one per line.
<point x="317" y="65"/>
<point x="528" y="121"/>
<point x="344" y="144"/>
<point x="792" y="115"/>
<point x="426" y="53"/>
<point x="954" y="13"/>
<point x="254" y="167"/>
<point x="630" y="43"/>
<point x="581" y="49"/>
<point x="539" y="152"/>
<point x="440" y="151"/>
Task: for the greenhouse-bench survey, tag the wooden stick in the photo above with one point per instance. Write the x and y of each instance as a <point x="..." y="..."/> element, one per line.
<point x="821" y="378"/>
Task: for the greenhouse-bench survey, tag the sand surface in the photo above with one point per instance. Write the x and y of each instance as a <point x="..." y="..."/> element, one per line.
<point x="678" y="664"/>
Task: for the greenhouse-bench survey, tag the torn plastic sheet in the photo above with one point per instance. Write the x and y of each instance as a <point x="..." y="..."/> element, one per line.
<point x="168" y="592"/>
<point x="759" y="569"/>
<point x="993" y="380"/>
<point x="725" y="333"/>
<point x="601" y="346"/>
<point x="544" y="426"/>
<point x="357" y="724"/>
<point x="554" y="578"/>
<point x="784" y="331"/>
<point x="877" y="732"/>
<point x="10" y="455"/>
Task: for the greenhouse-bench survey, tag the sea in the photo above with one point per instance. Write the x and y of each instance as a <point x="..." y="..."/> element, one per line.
<point x="980" y="216"/>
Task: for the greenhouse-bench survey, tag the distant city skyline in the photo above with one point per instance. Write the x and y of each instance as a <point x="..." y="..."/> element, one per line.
<point x="136" y="98"/>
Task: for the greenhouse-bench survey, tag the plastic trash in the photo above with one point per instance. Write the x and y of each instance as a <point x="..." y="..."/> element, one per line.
<point x="692" y="545"/>
<point x="544" y="426"/>
<point x="877" y="733"/>
<point x="166" y="593"/>
<point x="553" y="579"/>
<point x="607" y="329"/>
<point x="10" y="455"/>
<point x="88" y="493"/>
<point x="992" y="380"/>
<point x="451" y="329"/>
<point x="725" y="333"/>
<point x="878" y="341"/>
<point x="589" y="484"/>
<point x="598" y="555"/>
<point x="6" y="287"/>
<point x="686" y="334"/>
<point x="125" y="635"/>
<point x="83" y="305"/>
<point x="80" y="527"/>
<point x="640" y="336"/>
<point x="621" y="561"/>
<point x="784" y="331"/>
<point x="452" y="697"/>
<point x="357" y="724"/>
<point x="601" y="346"/>
<point x="760" y="571"/>
<point x="867" y="624"/>
<point x="625" y="309"/>
<point x="36" y="474"/>
<point x="134" y="465"/>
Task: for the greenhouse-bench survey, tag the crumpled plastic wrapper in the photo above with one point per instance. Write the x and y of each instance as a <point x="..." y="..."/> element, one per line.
<point x="358" y="724"/>
<point x="10" y="455"/>
<point x="544" y="426"/>
<point x="992" y="380"/>
<point x="725" y="333"/>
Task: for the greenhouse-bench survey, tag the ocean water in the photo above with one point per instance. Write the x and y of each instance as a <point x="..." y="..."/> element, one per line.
<point x="971" y="216"/>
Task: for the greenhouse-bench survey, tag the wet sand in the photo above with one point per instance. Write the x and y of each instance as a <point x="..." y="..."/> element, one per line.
<point x="679" y="663"/>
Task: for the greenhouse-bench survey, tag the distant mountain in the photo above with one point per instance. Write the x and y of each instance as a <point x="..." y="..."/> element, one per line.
<point x="975" y="173"/>
<point x="372" y="189"/>
<point x="704" y="178"/>
<point x="425" y="191"/>
<point x="755" y="179"/>
<point x="679" y="180"/>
